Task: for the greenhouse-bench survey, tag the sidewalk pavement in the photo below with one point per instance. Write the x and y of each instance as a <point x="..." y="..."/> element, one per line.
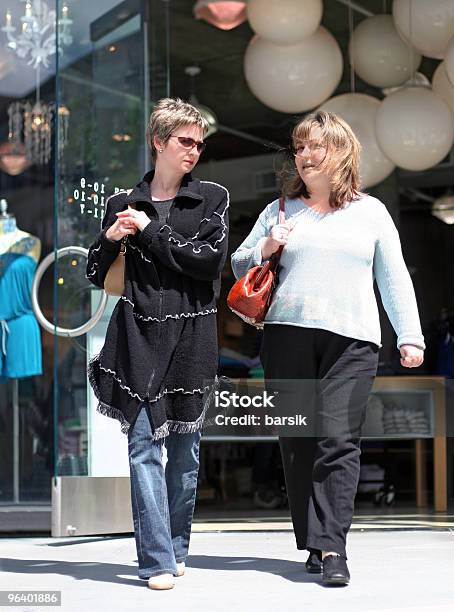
<point x="408" y="571"/>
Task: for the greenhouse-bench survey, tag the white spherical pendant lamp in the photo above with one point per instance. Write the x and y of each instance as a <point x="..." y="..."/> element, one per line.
<point x="379" y="55"/>
<point x="359" y="111"/>
<point x="443" y="87"/>
<point x="286" y="22"/>
<point x="294" y="78"/>
<point x="428" y="23"/>
<point x="449" y="61"/>
<point x="414" y="128"/>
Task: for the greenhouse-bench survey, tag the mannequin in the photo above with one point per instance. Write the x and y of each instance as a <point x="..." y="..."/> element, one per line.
<point x="14" y="240"/>
<point x="20" y="339"/>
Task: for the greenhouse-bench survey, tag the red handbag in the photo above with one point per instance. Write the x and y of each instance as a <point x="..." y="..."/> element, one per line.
<point x="250" y="297"/>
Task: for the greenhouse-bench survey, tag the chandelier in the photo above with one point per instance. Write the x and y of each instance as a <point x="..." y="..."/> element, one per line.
<point x="37" y="38"/>
<point x="30" y="124"/>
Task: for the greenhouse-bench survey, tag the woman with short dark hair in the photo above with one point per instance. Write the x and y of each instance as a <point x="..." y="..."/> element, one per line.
<point x="160" y="354"/>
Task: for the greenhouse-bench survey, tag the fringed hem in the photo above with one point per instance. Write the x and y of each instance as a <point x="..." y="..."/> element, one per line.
<point x="102" y="408"/>
<point x="163" y="430"/>
<point x="181" y="427"/>
<point x="114" y="413"/>
<point x="189" y="426"/>
<point x="91" y="373"/>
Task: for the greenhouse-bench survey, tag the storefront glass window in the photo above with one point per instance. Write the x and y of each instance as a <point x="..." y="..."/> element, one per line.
<point x="27" y="105"/>
<point x="91" y="91"/>
<point x="103" y="105"/>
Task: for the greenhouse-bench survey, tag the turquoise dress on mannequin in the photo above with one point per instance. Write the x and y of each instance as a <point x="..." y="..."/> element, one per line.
<point x="20" y="339"/>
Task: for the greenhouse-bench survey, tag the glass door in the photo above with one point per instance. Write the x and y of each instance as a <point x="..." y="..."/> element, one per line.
<point x="102" y="108"/>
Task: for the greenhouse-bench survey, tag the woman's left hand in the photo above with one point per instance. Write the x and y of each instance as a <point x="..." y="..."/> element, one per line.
<point x="411" y="356"/>
<point x="135" y="218"/>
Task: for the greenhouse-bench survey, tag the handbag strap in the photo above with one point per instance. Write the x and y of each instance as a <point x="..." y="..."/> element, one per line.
<point x="281" y="219"/>
<point x="281" y="216"/>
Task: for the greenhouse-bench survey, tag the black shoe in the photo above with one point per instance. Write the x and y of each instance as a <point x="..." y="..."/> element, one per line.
<point x="335" y="570"/>
<point x="314" y="562"/>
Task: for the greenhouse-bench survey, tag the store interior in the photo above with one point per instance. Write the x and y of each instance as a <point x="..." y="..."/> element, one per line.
<point x="118" y="58"/>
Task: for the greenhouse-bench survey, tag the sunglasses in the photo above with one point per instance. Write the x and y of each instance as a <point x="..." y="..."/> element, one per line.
<point x="190" y="143"/>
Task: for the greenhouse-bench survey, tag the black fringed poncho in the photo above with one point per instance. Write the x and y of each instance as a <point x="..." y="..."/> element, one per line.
<point x="161" y="342"/>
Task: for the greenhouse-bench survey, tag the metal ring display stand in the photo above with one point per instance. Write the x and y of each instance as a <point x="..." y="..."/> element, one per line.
<point x="50" y="327"/>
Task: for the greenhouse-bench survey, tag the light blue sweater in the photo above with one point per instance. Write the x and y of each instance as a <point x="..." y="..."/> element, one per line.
<point x="328" y="268"/>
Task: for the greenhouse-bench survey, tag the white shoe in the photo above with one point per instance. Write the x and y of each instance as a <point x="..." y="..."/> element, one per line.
<point x="181" y="568"/>
<point x="161" y="582"/>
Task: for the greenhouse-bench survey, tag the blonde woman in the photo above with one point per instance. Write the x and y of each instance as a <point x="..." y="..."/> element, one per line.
<point x="323" y="324"/>
<point x="160" y="352"/>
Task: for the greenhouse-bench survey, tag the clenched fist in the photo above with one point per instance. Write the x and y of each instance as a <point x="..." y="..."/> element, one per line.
<point x="119" y="230"/>
<point x="411" y="356"/>
<point x="278" y="237"/>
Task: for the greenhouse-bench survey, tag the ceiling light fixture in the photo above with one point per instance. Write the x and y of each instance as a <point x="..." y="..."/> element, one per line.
<point x="30" y="123"/>
<point x="37" y="36"/>
<point x="205" y="111"/>
<point x="13" y="160"/>
<point x="443" y="208"/>
<point x="121" y="137"/>
<point x="223" y="14"/>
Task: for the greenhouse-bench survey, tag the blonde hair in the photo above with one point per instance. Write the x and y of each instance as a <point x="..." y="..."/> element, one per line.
<point x="341" y="161"/>
<point x="168" y="115"/>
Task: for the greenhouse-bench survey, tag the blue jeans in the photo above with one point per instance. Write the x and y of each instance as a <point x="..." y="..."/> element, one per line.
<point x="162" y="497"/>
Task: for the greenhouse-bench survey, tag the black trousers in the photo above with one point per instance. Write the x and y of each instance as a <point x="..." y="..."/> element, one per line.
<point x="322" y="473"/>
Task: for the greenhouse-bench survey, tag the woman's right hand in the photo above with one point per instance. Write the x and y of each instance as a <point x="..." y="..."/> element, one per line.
<point x="278" y="237"/>
<point x="119" y="230"/>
